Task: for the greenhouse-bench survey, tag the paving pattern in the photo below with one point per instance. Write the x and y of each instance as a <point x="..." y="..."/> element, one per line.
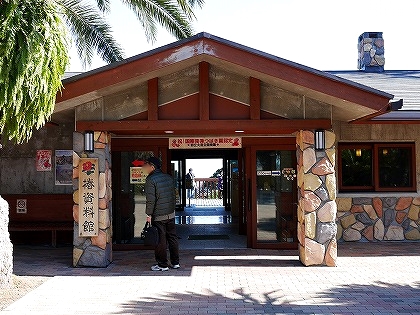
<point x="370" y="278"/>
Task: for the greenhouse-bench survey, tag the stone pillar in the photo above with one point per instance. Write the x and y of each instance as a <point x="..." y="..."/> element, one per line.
<point x="317" y="207"/>
<point x="6" y="248"/>
<point x="94" y="251"/>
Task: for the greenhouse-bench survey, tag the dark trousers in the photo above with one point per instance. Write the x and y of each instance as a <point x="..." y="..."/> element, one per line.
<point x="167" y="237"/>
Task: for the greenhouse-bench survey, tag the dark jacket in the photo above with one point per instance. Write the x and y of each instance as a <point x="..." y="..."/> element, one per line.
<point x="160" y="196"/>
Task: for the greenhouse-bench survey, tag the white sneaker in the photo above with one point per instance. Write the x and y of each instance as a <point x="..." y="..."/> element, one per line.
<point x="177" y="266"/>
<point x="158" y="268"/>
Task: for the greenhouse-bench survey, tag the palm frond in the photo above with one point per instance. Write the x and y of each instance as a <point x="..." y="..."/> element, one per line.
<point x="167" y="13"/>
<point x="103" y="5"/>
<point x="33" y="58"/>
<point x="187" y="7"/>
<point x="91" y="32"/>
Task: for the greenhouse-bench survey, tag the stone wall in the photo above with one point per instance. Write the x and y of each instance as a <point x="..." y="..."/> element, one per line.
<point x="378" y="219"/>
<point x="386" y="216"/>
<point x="316" y="193"/>
<point x="6" y="248"/>
<point x="94" y="251"/>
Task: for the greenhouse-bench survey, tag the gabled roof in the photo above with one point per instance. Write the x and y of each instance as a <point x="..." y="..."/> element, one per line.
<point x="352" y="99"/>
<point x="326" y="74"/>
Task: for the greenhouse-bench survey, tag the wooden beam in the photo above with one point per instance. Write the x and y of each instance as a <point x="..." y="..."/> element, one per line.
<point x="152" y="98"/>
<point x="302" y="76"/>
<point x="209" y="127"/>
<point x="204" y="91"/>
<point x="254" y="98"/>
<point x="147" y="64"/>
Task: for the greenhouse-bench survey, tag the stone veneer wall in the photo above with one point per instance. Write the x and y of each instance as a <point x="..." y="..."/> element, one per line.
<point x="378" y="219"/>
<point x="316" y="193"/>
<point x="371" y="52"/>
<point x="94" y="251"/>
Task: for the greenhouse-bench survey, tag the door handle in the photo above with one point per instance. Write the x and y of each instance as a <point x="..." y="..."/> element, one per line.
<point x="249" y="196"/>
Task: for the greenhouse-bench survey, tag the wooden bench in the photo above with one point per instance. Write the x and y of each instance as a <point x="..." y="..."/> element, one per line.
<point x="42" y="226"/>
<point x="46" y="212"/>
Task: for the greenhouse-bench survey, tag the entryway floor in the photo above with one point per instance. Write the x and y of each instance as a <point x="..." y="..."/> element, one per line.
<point x="233" y="241"/>
<point x="211" y="221"/>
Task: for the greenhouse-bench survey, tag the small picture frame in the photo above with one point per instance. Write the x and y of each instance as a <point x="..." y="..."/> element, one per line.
<point x="63" y="167"/>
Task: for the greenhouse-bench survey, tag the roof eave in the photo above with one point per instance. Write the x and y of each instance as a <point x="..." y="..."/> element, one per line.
<point x="207" y="44"/>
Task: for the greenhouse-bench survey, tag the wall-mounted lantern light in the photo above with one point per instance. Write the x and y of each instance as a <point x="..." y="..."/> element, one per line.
<point x="319" y="139"/>
<point x="89" y="145"/>
<point x="358" y="152"/>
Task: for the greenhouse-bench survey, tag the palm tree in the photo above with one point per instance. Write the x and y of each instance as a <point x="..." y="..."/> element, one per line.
<point x="90" y="31"/>
<point x="33" y="58"/>
<point x="34" y="46"/>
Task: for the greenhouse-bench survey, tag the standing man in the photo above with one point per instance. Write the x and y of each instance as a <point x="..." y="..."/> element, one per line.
<point x="160" y="210"/>
<point x="190" y="185"/>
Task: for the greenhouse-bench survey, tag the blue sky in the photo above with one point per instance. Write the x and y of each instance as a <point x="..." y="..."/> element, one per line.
<point x="320" y="34"/>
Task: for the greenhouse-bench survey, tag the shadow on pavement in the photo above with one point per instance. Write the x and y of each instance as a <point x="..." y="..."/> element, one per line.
<point x="380" y="298"/>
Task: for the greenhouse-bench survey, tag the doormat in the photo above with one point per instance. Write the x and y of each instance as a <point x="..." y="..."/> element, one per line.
<point x="203" y="237"/>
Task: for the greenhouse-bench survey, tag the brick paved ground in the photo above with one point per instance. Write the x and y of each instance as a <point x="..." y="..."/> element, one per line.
<point x="371" y="278"/>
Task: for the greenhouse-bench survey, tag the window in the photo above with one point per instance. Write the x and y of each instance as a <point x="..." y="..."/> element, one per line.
<point x="376" y="167"/>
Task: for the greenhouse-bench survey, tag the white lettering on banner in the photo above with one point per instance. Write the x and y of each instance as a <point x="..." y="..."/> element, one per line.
<point x="88" y="197"/>
<point x="205" y="143"/>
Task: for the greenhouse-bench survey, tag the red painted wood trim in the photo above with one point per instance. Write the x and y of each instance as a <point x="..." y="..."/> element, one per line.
<point x="385" y="122"/>
<point x="299" y="76"/>
<point x="206" y="47"/>
<point x="223" y="108"/>
<point x="204" y="90"/>
<point x="186" y="108"/>
<point x="41" y="207"/>
<point x="254" y="98"/>
<point x="139" y="116"/>
<point x="152" y="144"/>
<point x="129" y="69"/>
<point x="286" y="143"/>
<point x="267" y="115"/>
<point x="138" y="144"/>
<point x="152" y="97"/>
<point x="203" y="127"/>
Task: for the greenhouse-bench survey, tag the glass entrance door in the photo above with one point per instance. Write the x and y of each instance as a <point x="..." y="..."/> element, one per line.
<point x="177" y="169"/>
<point x="129" y="201"/>
<point x="275" y="208"/>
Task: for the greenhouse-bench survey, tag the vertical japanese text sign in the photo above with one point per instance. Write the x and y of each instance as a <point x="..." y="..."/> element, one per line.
<point x="88" y="197"/>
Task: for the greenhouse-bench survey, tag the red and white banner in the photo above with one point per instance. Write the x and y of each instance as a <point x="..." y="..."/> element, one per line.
<point x="205" y="143"/>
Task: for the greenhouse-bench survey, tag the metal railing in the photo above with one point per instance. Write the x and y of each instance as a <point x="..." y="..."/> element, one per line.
<point x="208" y="188"/>
<point x="207" y="192"/>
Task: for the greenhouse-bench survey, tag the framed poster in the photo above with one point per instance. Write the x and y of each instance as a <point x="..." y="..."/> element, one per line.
<point x="43" y="160"/>
<point x="63" y="167"/>
<point x="137" y="176"/>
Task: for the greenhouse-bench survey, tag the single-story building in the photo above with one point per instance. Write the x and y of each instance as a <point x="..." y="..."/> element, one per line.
<point x="315" y="157"/>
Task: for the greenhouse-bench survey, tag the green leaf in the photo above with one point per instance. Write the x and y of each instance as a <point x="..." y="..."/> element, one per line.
<point x="34" y="55"/>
